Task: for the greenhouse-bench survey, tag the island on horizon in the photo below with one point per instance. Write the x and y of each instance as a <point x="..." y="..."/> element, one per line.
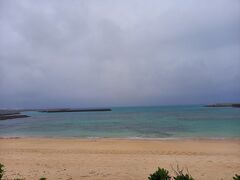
<point x="224" y="105"/>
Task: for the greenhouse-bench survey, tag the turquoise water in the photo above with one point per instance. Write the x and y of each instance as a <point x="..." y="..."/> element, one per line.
<point x="130" y="122"/>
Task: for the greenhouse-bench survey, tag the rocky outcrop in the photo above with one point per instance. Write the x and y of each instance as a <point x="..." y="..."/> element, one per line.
<point x="12" y="116"/>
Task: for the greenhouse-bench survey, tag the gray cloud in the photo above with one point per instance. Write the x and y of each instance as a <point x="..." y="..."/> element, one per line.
<point x="114" y="53"/>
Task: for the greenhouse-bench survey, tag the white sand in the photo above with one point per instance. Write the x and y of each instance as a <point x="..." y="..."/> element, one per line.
<point x="31" y="158"/>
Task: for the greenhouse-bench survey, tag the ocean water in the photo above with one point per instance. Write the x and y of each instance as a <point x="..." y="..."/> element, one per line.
<point x="130" y="122"/>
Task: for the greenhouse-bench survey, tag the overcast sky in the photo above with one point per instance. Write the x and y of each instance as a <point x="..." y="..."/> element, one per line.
<point x="92" y="53"/>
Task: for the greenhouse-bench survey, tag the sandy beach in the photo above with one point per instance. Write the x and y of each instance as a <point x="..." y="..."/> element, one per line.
<point x="32" y="158"/>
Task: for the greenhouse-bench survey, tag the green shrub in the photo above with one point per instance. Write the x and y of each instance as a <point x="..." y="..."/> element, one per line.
<point x="1" y="170"/>
<point x="236" y="177"/>
<point x="160" y="174"/>
<point x="183" y="177"/>
<point x="43" y="178"/>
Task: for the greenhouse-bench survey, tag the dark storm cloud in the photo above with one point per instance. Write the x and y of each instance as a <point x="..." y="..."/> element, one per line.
<point x="104" y="53"/>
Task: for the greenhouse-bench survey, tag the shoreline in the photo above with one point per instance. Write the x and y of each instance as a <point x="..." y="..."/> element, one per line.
<point x="128" y="138"/>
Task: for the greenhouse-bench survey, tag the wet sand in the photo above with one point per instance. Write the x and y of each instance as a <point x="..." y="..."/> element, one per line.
<point x="55" y="158"/>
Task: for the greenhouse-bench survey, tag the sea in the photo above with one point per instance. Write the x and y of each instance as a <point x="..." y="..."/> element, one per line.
<point x="164" y="122"/>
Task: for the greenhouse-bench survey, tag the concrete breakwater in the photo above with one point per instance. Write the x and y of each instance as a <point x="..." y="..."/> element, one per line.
<point x="14" y="114"/>
<point x="74" y="110"/>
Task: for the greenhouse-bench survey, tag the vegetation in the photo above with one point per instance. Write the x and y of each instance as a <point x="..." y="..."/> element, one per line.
<point x="180" y="175"/>
<point x="1" y="170"/>
<point x="236" y="177"/>
<point x="183" y="177"/>
<point x="163" y="174"/>
<point x="160" y="174"/>
<point x="43" y="178"/>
